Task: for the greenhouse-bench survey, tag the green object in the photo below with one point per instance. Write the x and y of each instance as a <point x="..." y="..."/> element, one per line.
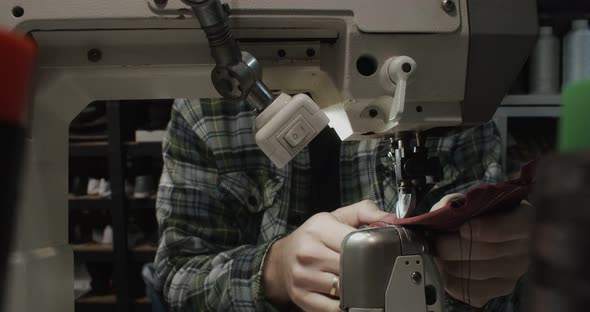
<point x="574" y="126"/>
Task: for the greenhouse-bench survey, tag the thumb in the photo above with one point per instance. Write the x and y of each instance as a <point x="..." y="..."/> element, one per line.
<point x="361" y="213"/>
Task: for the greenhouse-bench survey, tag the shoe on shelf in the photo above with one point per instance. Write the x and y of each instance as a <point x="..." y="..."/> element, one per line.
<point x="107" y="235"/>
<point x="93" y="187"/>
<point x="97" y="235"/>
<point x="104" y="188"/>
<point x="79" y="186"/>
<point x="149" y="136"/>
<point x="144" y="187"/>
<point x="103" y="236"/>
<point x="81" y="279"/>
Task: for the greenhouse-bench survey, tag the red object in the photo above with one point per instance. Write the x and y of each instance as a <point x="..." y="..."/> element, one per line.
<point x="478" y="201"/>
<point x="17" y="60"/>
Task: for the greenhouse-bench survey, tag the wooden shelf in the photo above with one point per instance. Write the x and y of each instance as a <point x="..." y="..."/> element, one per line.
<point x="96" y="303"/>
<point x="94" y="247"/>
<point x="93" y="252"/>
<point x="142" y="305"/>
<point x="144" y="253"/>
<point x="95" y="149"/>
<point x="116" y="152"/>
<point x="101" y="299"/>
<point x="144" y="300"/>
<point x="101" y="303"/>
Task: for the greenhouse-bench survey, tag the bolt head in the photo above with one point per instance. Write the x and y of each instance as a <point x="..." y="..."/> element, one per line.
<point x="448" y="5"/>
<point x="94" y="55"/>
<point x="416" y="277"/>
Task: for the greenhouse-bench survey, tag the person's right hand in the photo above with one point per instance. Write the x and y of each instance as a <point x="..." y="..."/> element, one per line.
<point x="301" y="268"/>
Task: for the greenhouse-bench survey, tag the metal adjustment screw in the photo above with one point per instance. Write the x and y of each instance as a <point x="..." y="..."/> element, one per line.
<point x="94" y="55"/>
<point x="416" y="277"/>
<point x="448" y="5"/>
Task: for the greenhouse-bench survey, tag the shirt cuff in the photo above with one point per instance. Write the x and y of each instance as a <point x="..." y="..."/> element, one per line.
<point x="247" y="280"/>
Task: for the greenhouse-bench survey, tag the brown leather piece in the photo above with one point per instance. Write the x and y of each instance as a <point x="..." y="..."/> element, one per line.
<point x="483" y="199"/>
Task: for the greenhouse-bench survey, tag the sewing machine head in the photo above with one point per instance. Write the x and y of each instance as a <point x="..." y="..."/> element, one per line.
<point x="457" y="60"/>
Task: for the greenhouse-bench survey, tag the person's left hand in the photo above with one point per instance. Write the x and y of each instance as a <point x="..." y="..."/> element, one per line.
<point x="498" y="246"/>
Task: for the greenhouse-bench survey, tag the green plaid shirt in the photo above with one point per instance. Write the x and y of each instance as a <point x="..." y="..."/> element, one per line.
<point x="221" y="203"/>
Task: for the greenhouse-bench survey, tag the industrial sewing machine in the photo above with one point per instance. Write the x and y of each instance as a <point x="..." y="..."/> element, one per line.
<point x="380" y="68"/>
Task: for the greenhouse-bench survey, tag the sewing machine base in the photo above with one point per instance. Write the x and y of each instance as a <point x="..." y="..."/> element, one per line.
<point x="388" y="269"/>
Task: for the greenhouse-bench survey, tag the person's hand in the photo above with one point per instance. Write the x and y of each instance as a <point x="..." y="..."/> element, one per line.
<point x="498" y="246"/>
<point x="302" y="267"/>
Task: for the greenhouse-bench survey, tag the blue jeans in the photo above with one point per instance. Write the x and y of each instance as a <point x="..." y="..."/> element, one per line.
<point x="148" y="274"/>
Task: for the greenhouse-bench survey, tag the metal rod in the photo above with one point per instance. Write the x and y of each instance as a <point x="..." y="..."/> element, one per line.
<point x="260" y="96"/>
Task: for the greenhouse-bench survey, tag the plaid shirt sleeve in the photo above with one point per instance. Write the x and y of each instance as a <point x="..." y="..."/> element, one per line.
<point x="203" y="262"/>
